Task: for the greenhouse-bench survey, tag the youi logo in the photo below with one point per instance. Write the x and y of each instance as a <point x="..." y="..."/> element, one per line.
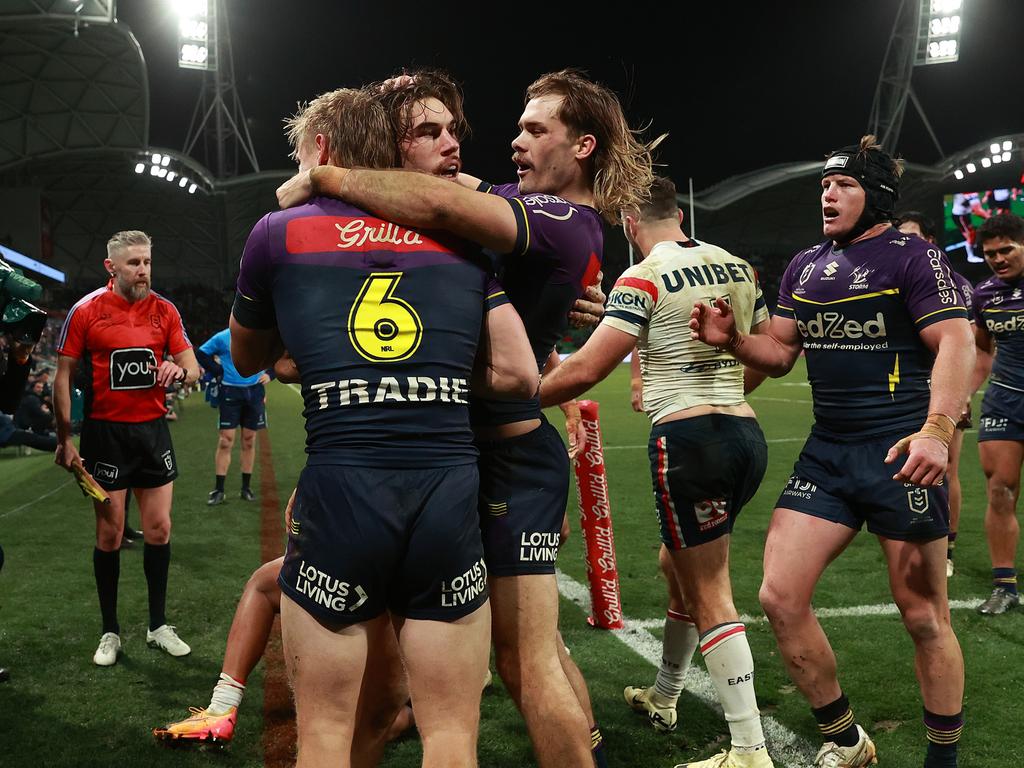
<point x="132" y="368"/>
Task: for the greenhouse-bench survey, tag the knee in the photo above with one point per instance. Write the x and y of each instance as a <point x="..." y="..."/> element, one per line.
<point x="1003" y="489"/>
<point x="108" y="539"/>
<point x="248" y="442"/>
<point x="506" y="661"/>
<point x="158" y="533"/>
<point x="224" y="442"/>
<point x="779" y="604"/>
<point x="923" y="622"/>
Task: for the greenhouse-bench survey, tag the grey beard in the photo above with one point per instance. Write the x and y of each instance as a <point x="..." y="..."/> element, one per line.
<point x="135" y="292"/>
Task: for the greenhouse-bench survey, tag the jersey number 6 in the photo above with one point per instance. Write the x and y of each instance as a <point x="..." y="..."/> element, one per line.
<point x="381" y="327"/>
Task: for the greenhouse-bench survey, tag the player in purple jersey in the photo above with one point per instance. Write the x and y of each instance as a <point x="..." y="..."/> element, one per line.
<point x="916" y="223"/>
<point x="999" y="334"/>
<point x="385" y="374"/>
<point x="577" y="160"/>
<point x="877" y="314"/>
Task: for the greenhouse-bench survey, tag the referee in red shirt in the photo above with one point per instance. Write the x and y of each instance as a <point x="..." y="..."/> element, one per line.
<point x="133" y="344"/>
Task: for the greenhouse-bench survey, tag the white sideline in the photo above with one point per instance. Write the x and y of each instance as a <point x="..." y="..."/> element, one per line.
<point x="28" y="504"/>
<point x="786" y="748"/>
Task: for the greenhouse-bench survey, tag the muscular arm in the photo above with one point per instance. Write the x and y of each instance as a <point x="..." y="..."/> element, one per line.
<point x="505" y="367"/>
<point x="606" y="348"/>
<point x="186" y="359"/>
<point x="66" y="451"/>
<point x="574" y="428"/>
<point x="254" y="350"/>
<point x="984" y="347"/>
<point x="420" y="200"/>
<point x="752" y="379"/>
<point x="773" y="352"/>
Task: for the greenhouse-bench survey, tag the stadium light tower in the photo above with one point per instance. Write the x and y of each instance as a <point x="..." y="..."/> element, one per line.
<point x="925" y="32"/>
<point x="204" y="43"/>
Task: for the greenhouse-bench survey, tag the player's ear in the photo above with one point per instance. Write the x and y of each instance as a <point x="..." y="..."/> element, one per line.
<point x="679" y="215"/>
<point x="109" y="266"/>
<point x="323" y="150"/>
<point x="586" y="145"/>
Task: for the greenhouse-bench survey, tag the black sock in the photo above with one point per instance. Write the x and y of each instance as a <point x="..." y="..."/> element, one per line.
<point x="1005" y="578"/>
<point x="943" y="736"/>
<point x="220" y="483"/>
<point x="836" y="723"/>
<point x="156" y="558"/>
<point x="597" y="747"/>
<point x="106" y="567"/>
<point x="246" y="478"/>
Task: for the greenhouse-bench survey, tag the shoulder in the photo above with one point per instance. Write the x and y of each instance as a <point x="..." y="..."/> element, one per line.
<point x="163" y="304"/>
<point x="88" y="302"/>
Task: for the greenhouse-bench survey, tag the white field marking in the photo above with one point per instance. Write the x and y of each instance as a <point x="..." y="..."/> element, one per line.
<point x="852" y="611"/>
<point x="776" y="400"/>
<point x="28" y="504"/>
<point x="786" y="748"/>
<point x="794" y="383"/>
<point x="773" y="440"/>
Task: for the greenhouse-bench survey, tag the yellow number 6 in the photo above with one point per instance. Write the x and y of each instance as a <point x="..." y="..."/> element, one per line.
<point x="383" y="328"/>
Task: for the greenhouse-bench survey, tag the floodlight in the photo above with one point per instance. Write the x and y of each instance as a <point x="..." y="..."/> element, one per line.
<point x="958" y="173"/>
<point x="183" y="182"/>
<point x="140" y="167"/>
<point x="192" y="189"/>
<point x="971" y="168"/>
<point x="154" y="170"/>
<point x="997" y="158"/>
<point x="171" y="175"/>
<point x="985" y="162"/>
<point x="1007" y="145"/>
<point x="994" y="149"/>
<point x="164" y="160"/>
<point x="192" y="7"/>
<point x="1006" y="157"/>
<point x="156" y="158"/>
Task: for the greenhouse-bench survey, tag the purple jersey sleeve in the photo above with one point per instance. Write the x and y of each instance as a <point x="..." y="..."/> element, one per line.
<point x="254" y="304"/>
<point x="494" y="295"/>
<point x="929" y="290"/>
<point x="784" y="306"/>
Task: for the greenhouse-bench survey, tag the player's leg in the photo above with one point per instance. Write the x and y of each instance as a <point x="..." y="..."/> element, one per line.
<point x="955" y="494"/>
<point x="247" y="460"/>
<point x="445" y="687"/>
<point x="106" y="566"/>
<point x="918" y="581"/>
<point x="525" y="633"/>
<point x="679" y="641"/>
<point x="1001" y="463"/>
<point x="382" y="713"/>
<point x="155" y="513"/>
<point x="325" y="668"/>
<point x="579" y="687"/>
<point x="253" y="419"/>
<point x="222" y="456"/>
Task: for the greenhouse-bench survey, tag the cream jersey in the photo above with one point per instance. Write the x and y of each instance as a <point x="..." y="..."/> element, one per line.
<point x="653" y="300"/>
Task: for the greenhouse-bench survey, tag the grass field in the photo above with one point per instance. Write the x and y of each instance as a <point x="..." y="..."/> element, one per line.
<point x="61" y="710"/>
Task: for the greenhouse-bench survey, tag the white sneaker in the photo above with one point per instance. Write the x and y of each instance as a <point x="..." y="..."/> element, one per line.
<point x="167" y="640"/>
<point x="733" y="759"/>
<point x="639" y="699"/>
<point x="949" y="568"/>
<point x="108" y="650"/>
<point x="831" y="755"/>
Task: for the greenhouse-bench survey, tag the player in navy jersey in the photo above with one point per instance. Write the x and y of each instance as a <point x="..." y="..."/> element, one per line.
<point x="577" y="160"/>
<point x="382" y="323"/>
<point x="877" y="314"/>
<point x="916" y="223"/>
<point x="999" y="334"/>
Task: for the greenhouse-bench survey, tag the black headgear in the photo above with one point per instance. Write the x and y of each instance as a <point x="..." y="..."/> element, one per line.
<point x="874" y="170"/>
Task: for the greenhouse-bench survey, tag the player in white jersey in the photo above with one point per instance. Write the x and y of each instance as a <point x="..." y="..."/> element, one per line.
<point x="707" y="452"/>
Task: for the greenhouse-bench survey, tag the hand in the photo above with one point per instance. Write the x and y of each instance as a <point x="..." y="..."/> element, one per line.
<point x="927" y="459"/>
<point x="589" y="308"/>
<point x="296" y="191"/>
<point x="264" y="378"/>
<point x="576" y="433"/>
<point x="715" y="326"/>
<point x="285" y="369"/>
<point x="66" y="454"/>
<point x="564" y="531"/>
<point x="168" y="373"/>
<point x="636" y="395"/>
<point x="288" y="512"/>
<point x="394" y="83"/>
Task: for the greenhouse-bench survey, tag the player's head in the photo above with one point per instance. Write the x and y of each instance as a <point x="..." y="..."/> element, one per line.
<point x="425" y="109"/>
<point x="661" y="210"/>
<point x="915" y="223"/>
<point x="345" y="127"/>
<point x="574" y="137"/>
<point x="1001" y="238"/>
<point x="860" y="186"/>
<point x="129" y="258"/>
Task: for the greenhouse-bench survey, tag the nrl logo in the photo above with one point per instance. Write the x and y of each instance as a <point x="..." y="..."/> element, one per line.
<point x="806" y="274"/>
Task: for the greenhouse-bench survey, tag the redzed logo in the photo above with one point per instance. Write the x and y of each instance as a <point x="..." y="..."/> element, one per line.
<point x="319" y="234"/>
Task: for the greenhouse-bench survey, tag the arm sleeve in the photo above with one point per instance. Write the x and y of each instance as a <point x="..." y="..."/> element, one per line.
<point x="632" y="300"/>
<point x="494" y="294"/>
<point x="72" y="335"/>
<point x="177" y="340"/>
<point x="928" y="289"/>
<point x="784" y="306"/>
<point x="254" y="304"/>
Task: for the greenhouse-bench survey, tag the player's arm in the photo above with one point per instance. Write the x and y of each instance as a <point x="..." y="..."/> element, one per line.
<point x="504" y="367"/>
<point x="589" y="308"/>
<point x="183" y="368"/>
<point x="952" y="343"/>
<point x="424" y="201"/>
<point x="984" y="347"/>
<point x="67" y="453"/>
<point x="636" y="382"/>
<point x="605" y="349"/>
<point x="773" y="352"/>
<point x="753" y="378"/>
<point x="254" y="349"/>
<point x="574" y="429"/>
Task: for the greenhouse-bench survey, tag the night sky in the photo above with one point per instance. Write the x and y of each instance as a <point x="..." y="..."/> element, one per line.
<point x="736" y="88"/>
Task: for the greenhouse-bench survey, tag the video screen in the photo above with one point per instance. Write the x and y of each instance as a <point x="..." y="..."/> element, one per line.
<point x="964" y="212"/>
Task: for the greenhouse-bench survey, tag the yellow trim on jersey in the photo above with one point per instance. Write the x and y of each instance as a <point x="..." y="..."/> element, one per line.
<point x="886" y="292"/>
<point x="526" y="223"/>
<point x="937" y="311"/>
<point x="496" y="294"/>
<point x="997" y="309"/>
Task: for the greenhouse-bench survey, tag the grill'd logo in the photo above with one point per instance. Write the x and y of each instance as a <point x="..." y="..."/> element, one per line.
<point x="132" y="368"/>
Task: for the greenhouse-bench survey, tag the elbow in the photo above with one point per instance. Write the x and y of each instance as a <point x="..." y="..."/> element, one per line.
<point x="246" y="367"/>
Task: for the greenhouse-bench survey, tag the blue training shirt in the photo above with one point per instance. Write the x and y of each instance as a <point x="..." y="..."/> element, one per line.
<point x="220" y="345"/>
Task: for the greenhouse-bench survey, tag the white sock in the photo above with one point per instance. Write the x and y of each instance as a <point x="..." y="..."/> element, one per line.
<point x="677" y="648"/>
<point x="226" y="694"/>
<point x="728" y="660"/>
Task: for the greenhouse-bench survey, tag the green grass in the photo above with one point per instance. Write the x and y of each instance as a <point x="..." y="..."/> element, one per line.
<point x="60" y="710"/>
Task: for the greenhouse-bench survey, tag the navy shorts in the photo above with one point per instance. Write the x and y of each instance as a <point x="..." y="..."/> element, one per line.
<point x="524" y="487"/>
<point x="1002" y="415"/>
<point x="368" y="540"/>
<point x="128" y="455"/>
<point x="704" y="470"/>
<point x="849" y="483"/>
<point x="242" y="406"/>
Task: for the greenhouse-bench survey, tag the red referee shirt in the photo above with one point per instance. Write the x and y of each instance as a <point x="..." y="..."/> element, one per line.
<point x="123" y="343"/>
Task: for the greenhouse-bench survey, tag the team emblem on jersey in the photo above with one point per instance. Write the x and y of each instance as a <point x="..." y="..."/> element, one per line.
<point x="155" y="320"/>
<point x="860" y="276"/>
<point x="917" y="500"/>
<point x="806" y="274"/>
<point x="168" y="461"/>
<point x="710" y="513"/>
<point x="132" y="368"/>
